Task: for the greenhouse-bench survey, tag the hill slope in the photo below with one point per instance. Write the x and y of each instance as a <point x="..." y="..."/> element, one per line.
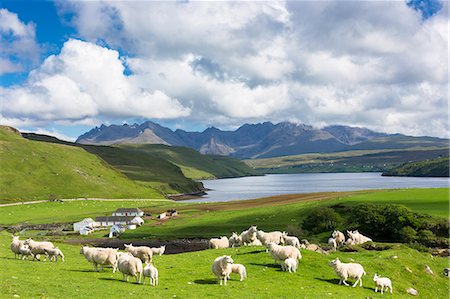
<point x="263" y="140"/>
<point x="33" y="170"/>
<point x="430" y="168"/>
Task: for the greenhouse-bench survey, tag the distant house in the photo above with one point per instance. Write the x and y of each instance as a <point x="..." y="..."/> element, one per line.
<point x="128" y="212"/>
<point x="116" y="230"/>
<point x="124" y="220"/>
<point x="89" y="222"/>
<point x="86" y="230"/>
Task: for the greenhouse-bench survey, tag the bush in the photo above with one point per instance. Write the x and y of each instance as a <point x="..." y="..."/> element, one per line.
<point x="323" y="220"/>
<point x="408" y="234"/>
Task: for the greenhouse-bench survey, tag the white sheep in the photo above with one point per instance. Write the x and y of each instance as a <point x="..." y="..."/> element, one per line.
<point x="339" y="237"/>
<point x="290" y="265"/>
<point x="15" y="246"/>
<point x="238" y="269"/>
<point x="358" y="238"/>
<point x="348" y="270"/>
<point x="235" y="240"/>
<point x="333" y="243"/>
<point x="38" y="248"/>
<point x="248" y="236"/>
<point x="216" y="243"/>
<point x="53" y="254"/>
<point x="158" y="250"/>
<point x="144" y="253"/>
<point x="270" y="237"/>
<point x="24" y="251"/>
<point x="255" y="242"/>
<point x="382" y="282"/>
<point x="350" y="241"/>
<point x="129" y="265"/>
<point x="152" y="273"/>
<point x="222" y="268"/>
<point x="290" y="240"/>
<point x="281" y="253"/>
<point x="100" y="256"/>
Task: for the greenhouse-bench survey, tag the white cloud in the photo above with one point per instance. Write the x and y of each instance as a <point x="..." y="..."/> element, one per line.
<point x="18" y="46"/>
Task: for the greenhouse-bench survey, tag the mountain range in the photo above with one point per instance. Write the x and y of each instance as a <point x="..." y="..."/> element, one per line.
<point x="262" y="140"/>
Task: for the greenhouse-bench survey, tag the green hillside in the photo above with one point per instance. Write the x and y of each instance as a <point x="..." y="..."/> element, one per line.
<point x="429" y="168"/>
<point x="32" y="170"/>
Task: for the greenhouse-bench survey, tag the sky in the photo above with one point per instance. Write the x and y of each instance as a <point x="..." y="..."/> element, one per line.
<point x="68" y="66"/>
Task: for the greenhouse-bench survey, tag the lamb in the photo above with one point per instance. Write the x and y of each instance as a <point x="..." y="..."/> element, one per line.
<point x="333" y="243"/>
<point x="271" y="237"/>
<point x="215" y="243"/>
<point x="235" y="240"/>
<point x="15" y="246"/>
<point x="339" y="237"/>
<point x="144" y="253"/>
<point x="255" y="242"/>
<point x="281" y="253"/>
<point x="348" y="270"/>
<point x="158" y="250"/>
<point x="38" y="248"/>
<point x="100" y="256"/>
<point x="130" y="265"/>
<point x="151" y="272"/>
<point x="53" y="254"/>
<point x="382" y="282"/>
<point x="290" y="265"/>
<point x="248" y="236"/>
<point x="290" y="240"/>
<point x="358" y="238"/>
<point x="239" y="269"/>
<point x="350" y="241"/>
<point x="24" y="251"/>
<point x="222" y="268"/>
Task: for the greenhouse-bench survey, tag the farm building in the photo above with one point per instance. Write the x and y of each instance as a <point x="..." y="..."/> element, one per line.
<point x="116" y="230"/>
<point x="86" y="230"/>
<point x="89" y="222"/>
<point x="124" y="220"/>
<point x="128" y="212"/>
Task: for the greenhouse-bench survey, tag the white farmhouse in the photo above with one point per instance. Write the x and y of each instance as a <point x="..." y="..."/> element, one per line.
<point x="87" y="222"/>
<point x="128" y="212"/>
<point x="123" y="220"/>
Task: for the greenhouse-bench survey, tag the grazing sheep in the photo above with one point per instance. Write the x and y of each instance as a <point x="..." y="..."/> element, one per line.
<point x="158" y="250"/>
<point x="144" y="253"/>
<point x="222" y="268"/>
<point x="255" y="242"/>
<point x="339" y="237"/>
<point x="53" y="254"/>
<point x="152" y="273"/>
<point x="290" y="240"/>
<point x="15" y="246"/>
<point x="271" y="237"/>
<point x="215" y="243"/>
<point x="38" y="248"/>
<point x="235" y="240"/>
<point x="281" y="253"/>
<point x="100" y="256"/>
<point x="248" y="236"/>
<point x="348" y="270"/>
<point x="290" y="265"/>
<point x="130" y="265"/>
<point x="238" y="269"/>
<point x="382" y="282"/>
<point x="333" y="243"/>
<point x="24" y="251"/>
<point x="358" y="238"/>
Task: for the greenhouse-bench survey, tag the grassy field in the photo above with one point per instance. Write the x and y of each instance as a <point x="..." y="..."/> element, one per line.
<point x="188" y="275"/>
<point x="32" y="170"/>
<point x="429" y="168"/>
<point x="347" y="161"/>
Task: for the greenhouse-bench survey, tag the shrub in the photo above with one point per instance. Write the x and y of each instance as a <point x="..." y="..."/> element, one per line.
<point x="322" y="220"/>
<point x="408" y="234"/>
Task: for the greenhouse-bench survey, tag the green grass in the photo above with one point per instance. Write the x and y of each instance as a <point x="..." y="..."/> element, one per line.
<point x="188" y="275"/>
<point x="429" y="168"/>
<point x="32" y="170"/>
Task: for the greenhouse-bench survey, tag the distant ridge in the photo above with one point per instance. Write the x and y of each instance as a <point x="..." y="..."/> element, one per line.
<point x="262" y="140"/>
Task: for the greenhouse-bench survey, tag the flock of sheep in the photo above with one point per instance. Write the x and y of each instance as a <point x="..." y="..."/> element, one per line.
<point x="284" y="249"/>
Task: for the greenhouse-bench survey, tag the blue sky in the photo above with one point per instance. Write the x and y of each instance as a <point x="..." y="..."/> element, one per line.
<point x="66" y="67"/>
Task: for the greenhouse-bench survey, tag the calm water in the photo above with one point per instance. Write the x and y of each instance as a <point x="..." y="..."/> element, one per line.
<point x="275" y="184"/>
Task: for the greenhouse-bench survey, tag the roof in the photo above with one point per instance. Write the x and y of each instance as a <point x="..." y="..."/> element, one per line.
<point x="114" y="218"/>
<point x="90" y="220"/>
<point x="128" y="210"/>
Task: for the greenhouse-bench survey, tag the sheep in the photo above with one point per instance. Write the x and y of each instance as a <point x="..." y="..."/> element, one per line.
<point x="339" y="237"/>
<point x="152" y="273"/>
<point x="350" y="241"/>
<point x="290" y="240"/>
<point x="53" y="254"/>
<point x="382" y="282"/>
<point x="130" y="265"/>
<point x="255" y="242"/>
<point x="333" y="243"/>
<point x="38" y="248"/>
<point x="239" y="269"/>
<point x="24" y="251"/>
<point x="271" y="237"/>
<point x="248" y="236"/>
<point x="358" y="238"/>
<point x="144" y="253"/>
<point x="348" y="270"/>
<point x="100" y="256"/>
<point x="281" y="253"/>
<point x="15" y="246"/>
<point x="158" y="250"/>
<point x="222" y="268"/>
<point x="235" y="240"/>
<point x="290" y="265"/>
<point x="215" y="243"/>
